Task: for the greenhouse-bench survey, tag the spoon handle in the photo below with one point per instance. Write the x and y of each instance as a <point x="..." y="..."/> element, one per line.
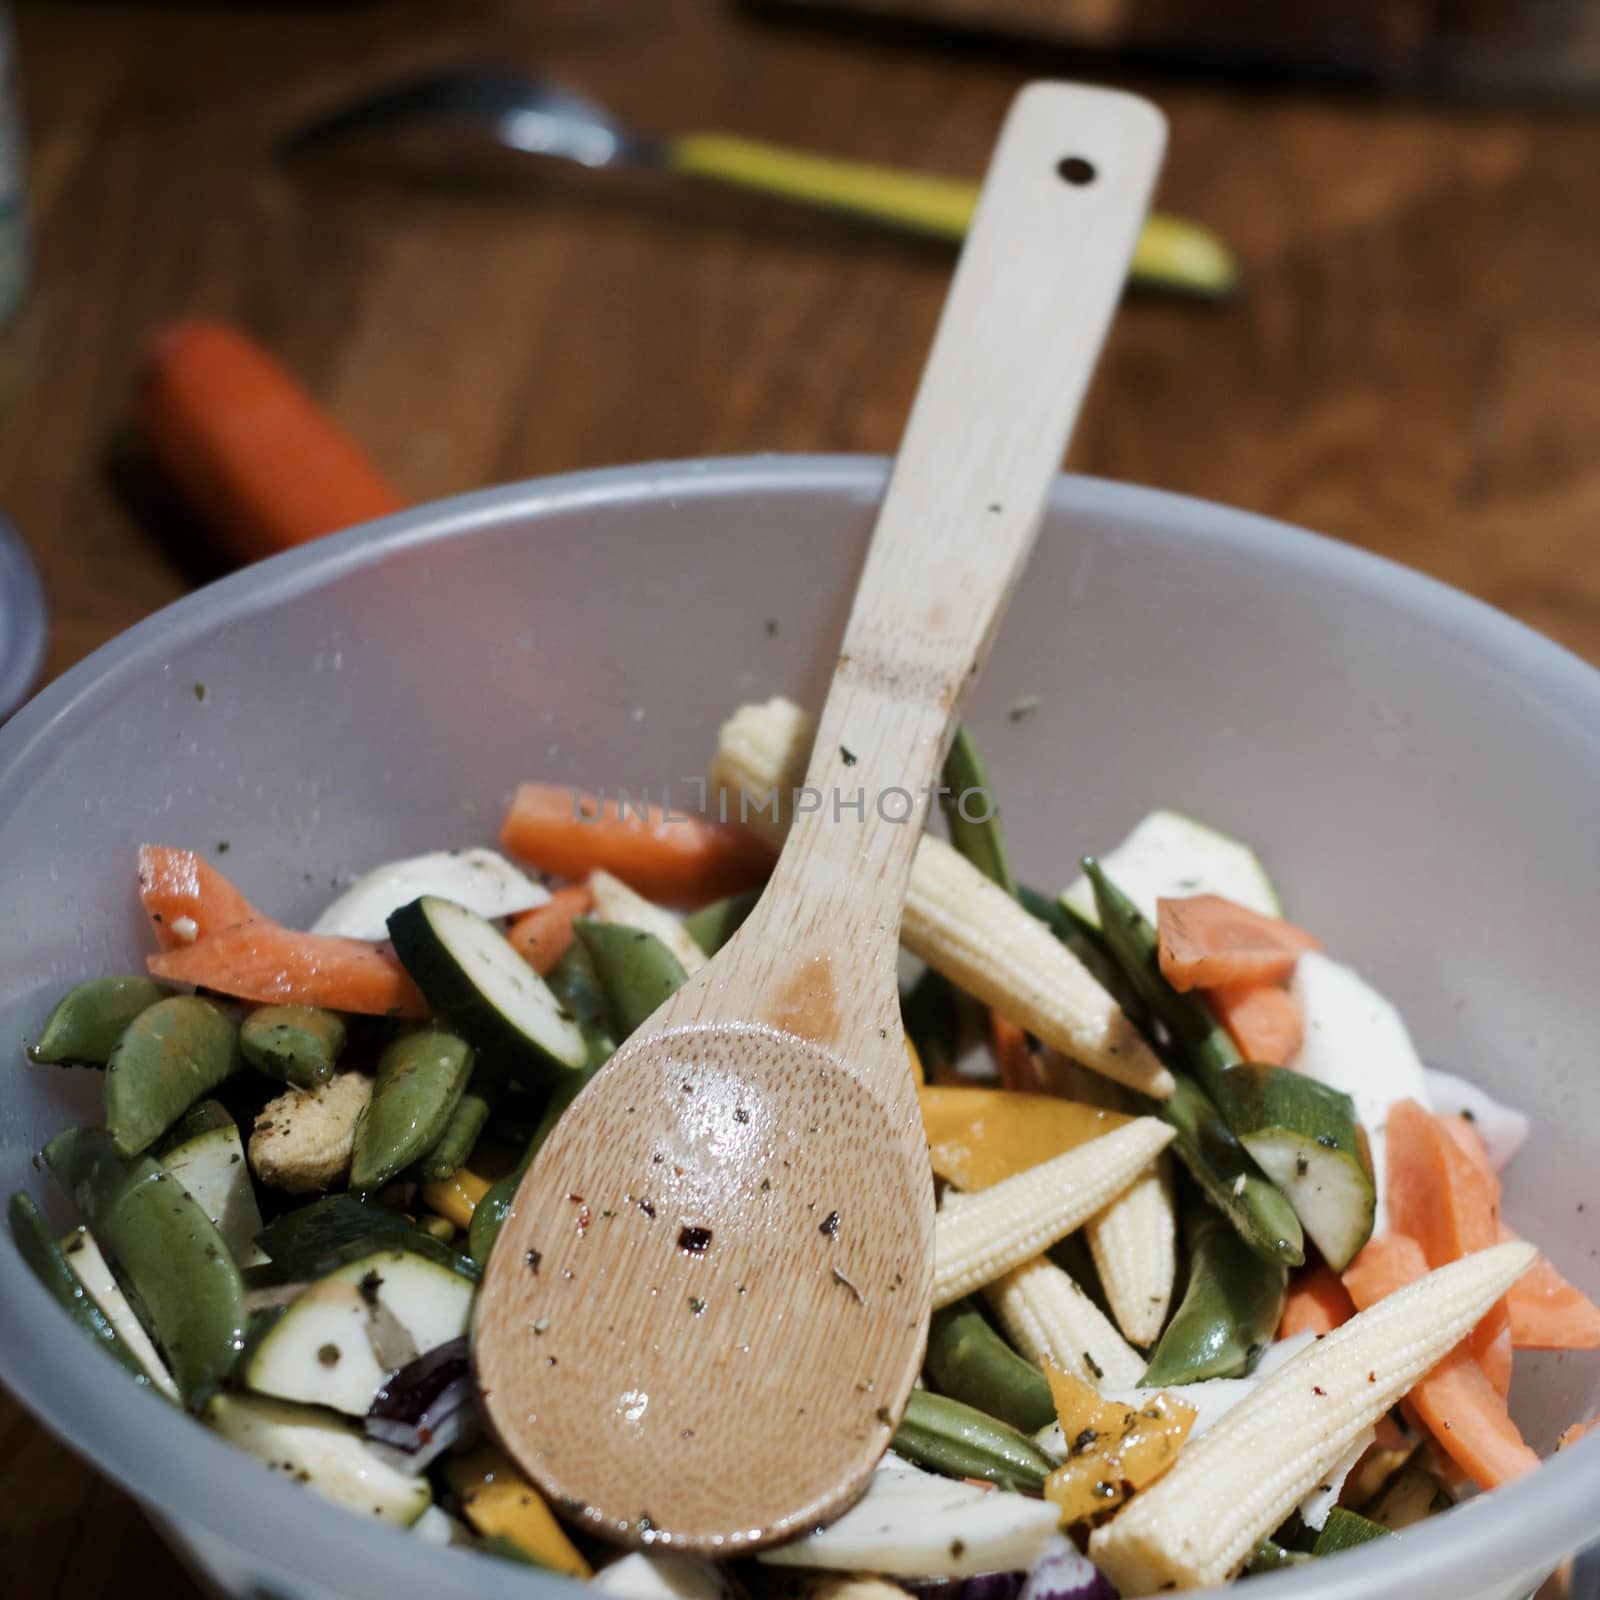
<point x="1022" y="327"/>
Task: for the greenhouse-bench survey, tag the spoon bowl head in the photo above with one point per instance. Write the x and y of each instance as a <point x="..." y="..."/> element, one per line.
<point x="709" y="1303"/>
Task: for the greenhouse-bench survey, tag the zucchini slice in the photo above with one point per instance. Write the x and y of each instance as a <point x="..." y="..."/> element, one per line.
<point x="475" y="979"/>
<point x="325" y="1453"/>
<point x="1305" y="1137"/>
<point x="323" y="1348"/>
<point x="1169" y="856"/>
<point x="206" y="1155"/>
<point x="99" y="1283"/>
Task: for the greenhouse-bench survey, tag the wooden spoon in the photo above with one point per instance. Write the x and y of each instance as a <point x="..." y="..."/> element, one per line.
<point x="710" y="1301"/>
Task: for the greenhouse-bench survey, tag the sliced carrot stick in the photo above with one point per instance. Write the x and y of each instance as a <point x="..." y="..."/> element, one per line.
<point x="174" y="884"/>
<point x="1317" y="1303"/>
<point x="1265" y="1020"/>
<point x="250" y="452"/>
<point x="1206" y="941"/>
<point x="1017" y="1065"/>
<point x="545" y="934"/>
<point x="679" y="859"/>
<point x="261" y="961"/>
<point x="1455" y="1402"/>
<point x="1570" y="1436"/>
<point x="1547" y="1312"/>
<point x="1437" y="1193"/>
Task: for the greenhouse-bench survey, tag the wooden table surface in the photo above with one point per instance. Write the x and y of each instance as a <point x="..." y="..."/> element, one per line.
<point x="1412" y="368"/>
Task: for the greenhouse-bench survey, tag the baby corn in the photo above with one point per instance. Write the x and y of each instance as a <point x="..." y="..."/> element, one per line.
<point x="956" y="920"/>
<point x="1049" y="1318"/>
<point x="1010" y="1223"/>
<point x="1233" y="1486"/>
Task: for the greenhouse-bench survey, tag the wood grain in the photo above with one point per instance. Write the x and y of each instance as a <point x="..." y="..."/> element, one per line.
<point x="1411" y="369"/>
<point x="656" y="1388"/>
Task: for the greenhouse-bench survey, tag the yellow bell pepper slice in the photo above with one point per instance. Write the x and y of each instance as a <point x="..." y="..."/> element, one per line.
<point x="455" y="1198"/>
<point x="501" y="1504"/>
<point x="916" y="1062"/>
<point x="977" y="1137"/>
<point x="1113" y="1450"/>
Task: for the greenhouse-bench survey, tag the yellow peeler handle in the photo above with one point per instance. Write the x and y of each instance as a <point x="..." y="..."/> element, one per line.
<point x="1172" y="253"/>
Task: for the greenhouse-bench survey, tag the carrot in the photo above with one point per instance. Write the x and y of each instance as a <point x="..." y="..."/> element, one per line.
<point x="261" y="961"/>
<point x="1205" y="941"/>
<point x="1456" y="1402"/>
<point x="1017" y="1065"/>
<point x="1317" y="1303"/>
<point x="174" y="884"/>
<point x="1547" y="1312"/>
<point x="545" y="934"/>
<point x="251" y="453"/>
<point x="682" y="860"/>
<point x="1447" y="1198"/>
<point x="1570" y="1436"/>
<point x="1265" y="1020"/>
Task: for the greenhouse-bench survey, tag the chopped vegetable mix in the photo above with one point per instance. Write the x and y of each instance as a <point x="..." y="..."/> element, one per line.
<point x="1300" y="1344"/>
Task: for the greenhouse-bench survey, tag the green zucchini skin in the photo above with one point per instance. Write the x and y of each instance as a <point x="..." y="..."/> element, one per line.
<point x="1229" y="1312"/>
<point x="90" y="1019"/>
<point x="1346" y="1530"/>
<point x="477" y="982"/>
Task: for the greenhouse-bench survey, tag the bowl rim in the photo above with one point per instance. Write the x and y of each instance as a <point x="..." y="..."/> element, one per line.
<point x="1525" y="1525"/>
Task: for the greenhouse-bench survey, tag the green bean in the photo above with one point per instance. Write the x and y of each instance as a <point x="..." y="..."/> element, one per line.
<point x="88" y="1021"/>
<point x="467" y="1121"/>
<point x="174" y="1257"/>
<point x="1206" y="1046"/>
<point x="1229" y="1312"/>
<point x="636" y="971"/>
<point x="170" y="1055"/>
<point x="963" y="1442"/>
<point x="421" y="1077"/>
<point x="52" y="1268"/>
<point x="713" y="926"/>
<point x="298" y="1045"/>
<point x="969" y="1361"/>
<point x="1089" y="946"/>
<point x="1227" y="1175"/>
<point x="1344" y="1530"/>
<point x="980" y="840"/>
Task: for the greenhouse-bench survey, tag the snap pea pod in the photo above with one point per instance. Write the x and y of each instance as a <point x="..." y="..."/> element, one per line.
<point x="1229" y="1312"/>
<point x="576" y="985"/>
<point x="970" y="812"/>
<point x="713" y="926"/>
<point x="298" y="1045"/>
<point x="421" y="1078"/>
<point x="50" y="1265"/>
<point x="636" y="971"/>
<point x="1227" y="1175"/>
<point x="467" y="1121"/>
<point x="88" y="1020"/>
<point x="946" y="1436"/>
<point x="171" y="1055"/>
<point x="1205" y="1045"/>
<point x="174" y="1257"/>
<point x="969" y="1361"/>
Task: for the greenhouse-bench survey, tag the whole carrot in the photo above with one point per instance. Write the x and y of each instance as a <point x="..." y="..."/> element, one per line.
<point x="250" y="452"/>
